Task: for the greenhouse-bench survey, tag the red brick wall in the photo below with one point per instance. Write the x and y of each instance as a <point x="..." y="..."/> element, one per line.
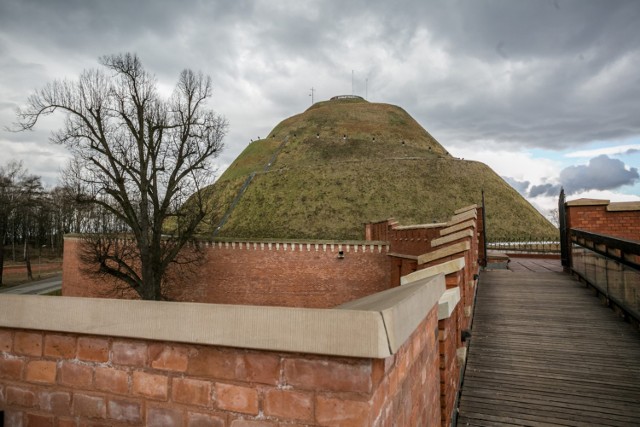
<point x="407" y="240"/>
<point x="55" y="379"/>
<point x="413" y="242"/>
<point x="409" y="392"/>
<point x="449" y="342"/>
<point x="623" y="224"/>
<point x="298" y="275"/>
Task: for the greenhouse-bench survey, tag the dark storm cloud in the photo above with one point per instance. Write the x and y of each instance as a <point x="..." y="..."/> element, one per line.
<point x="544" y="190"/>
<point x="520" y="186"/>
<point x="602" y="173"/>
<point x="508" y="74"/>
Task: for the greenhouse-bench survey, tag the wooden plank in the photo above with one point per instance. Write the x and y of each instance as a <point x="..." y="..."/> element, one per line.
<point x="544" y="351"/>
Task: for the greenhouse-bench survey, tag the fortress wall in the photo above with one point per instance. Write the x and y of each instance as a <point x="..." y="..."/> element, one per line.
<point x="408" y="240"/>
<point x="451" y="249"/>
<point x="62" y="379"/>
<point x="144" y="363"/>
<point x="621" y="219"/>
<point x="292" y="274"/>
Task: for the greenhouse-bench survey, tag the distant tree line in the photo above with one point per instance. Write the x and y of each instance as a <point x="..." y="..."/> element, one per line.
<point x="34" y="219"/>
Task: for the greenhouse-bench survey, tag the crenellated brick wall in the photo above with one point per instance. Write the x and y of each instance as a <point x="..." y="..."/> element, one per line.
<point x="621" y="219"/>
<point x="434" y="244"/>
<point x="56" y="378"/>
<point x="405" y="239"/>
<point x="62" y="379"/>
<point x="309" y="274"/>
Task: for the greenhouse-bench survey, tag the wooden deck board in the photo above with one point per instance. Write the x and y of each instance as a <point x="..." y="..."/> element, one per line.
<point x="544" y="351"/>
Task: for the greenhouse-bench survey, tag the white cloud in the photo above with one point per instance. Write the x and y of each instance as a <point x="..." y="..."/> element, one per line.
<point x="618" y="149"/>
<point x="520" y="165"/>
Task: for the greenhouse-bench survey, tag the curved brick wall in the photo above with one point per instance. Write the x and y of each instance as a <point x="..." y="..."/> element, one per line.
<point x="261" y="273"/>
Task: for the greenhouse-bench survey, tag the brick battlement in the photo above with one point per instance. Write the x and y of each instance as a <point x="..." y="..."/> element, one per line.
<point x="312" y="246"/>
<point x="339" y="343"/>
<point x="284" y="245"/>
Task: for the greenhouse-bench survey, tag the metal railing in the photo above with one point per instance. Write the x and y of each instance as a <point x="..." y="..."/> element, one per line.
<point x="526" y="245"/>
<point x="609" y="264"/>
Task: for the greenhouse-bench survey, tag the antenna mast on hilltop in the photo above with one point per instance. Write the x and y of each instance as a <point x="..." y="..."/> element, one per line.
<point x="311" y="94"/>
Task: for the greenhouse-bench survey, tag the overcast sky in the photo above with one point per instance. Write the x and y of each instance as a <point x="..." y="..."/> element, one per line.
<point x="547" y="93"/>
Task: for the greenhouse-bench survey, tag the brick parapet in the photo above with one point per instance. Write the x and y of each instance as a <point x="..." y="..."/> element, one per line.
<point x="292" y="274"/>
<point x="621" y="219"/>
<point x="56" y="378"/>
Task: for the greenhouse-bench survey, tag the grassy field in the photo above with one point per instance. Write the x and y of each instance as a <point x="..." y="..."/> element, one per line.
<point x="350" y="162"/>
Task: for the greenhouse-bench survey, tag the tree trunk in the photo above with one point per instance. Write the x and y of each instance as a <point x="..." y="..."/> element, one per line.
<point x="27" y="260"/>
<point x="1" y="259"/>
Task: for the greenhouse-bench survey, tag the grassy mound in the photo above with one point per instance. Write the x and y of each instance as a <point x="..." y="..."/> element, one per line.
<point x="343" y="163"/>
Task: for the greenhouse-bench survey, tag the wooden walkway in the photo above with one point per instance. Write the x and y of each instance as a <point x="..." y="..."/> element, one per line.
<point x="545" y="352"/>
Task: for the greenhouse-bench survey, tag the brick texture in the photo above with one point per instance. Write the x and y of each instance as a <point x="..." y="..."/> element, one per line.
<point x="622" y="224"/>
<point x="240" y="387"/>
<point x="84" y="380"/>
<point x="240" y="274"/>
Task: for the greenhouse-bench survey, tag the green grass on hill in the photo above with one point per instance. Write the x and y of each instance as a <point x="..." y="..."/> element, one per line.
<point x="337" y="200"/>
<point x="349" y="162"/>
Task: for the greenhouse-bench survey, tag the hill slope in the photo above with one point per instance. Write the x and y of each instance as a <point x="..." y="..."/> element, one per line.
<point x="343" y="163"/>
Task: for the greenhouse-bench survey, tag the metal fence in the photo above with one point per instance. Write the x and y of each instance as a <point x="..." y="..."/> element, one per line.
<point x="525" y="245"/>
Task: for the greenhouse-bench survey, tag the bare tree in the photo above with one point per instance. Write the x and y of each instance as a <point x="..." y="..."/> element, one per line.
<point x="138" y="157"/>
<point x="20" y="198"/>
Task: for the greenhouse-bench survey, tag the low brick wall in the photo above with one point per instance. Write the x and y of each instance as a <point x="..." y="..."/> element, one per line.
<point x="449" y="342"/>
<point x="259" y="273"/>
<point x="621" y="219"/>
<point x="55" y="379"/>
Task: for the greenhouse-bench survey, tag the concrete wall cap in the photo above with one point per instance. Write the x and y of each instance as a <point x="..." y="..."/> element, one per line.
<point x="466" y="208"/>
<point x="374" y="330"/>
<point x="445" y="268"/>
<point x="403" y="256"/>
<point x="447" y="303"/>
<point x="443" y="252"/>
<point x="419" y="226"/>
<point x="402" y="307"/>
<point x="463" y="234"/>
<point x="623" y="206"/>
<point x="587" y="202"/>
<point x="462" y="217"/>
<point x="74" y="236"/>
<point x="461" y="226"/>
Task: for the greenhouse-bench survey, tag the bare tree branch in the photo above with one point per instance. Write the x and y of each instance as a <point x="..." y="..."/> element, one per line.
<point x="138" y="157"/>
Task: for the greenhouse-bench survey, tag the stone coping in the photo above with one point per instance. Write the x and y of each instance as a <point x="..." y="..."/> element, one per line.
<point x="419" y="226"/>
<point x="403" y="256"/>
<point x="373" y="327"/>
<point x="623" y="206"/>
<point x="444" y="251"/>
<point x="448" y="302"/>
<point x="230" y="240"/>
<point x="402" y="308"/>
<point x="293" y="246"/>
<point x="463" y="234"/>
<point x="445" y="268"/>
<point x="461" y="226"/>
<point x="587" y="202"/>
<point x="466" y="208"/>
<point x="465" y="216"/>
